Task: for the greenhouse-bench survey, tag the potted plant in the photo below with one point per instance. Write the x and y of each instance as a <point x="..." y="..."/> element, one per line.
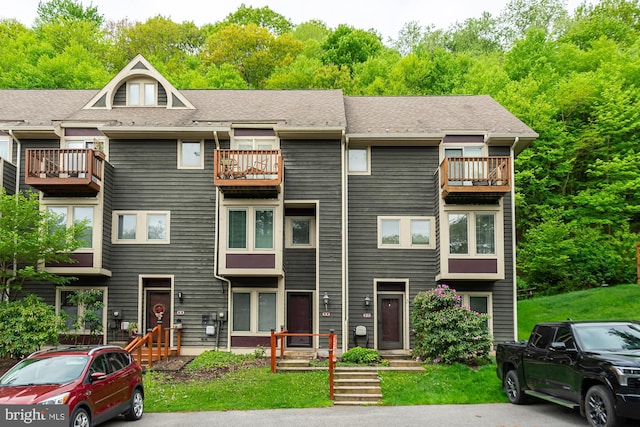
<point x="178" y="324"/>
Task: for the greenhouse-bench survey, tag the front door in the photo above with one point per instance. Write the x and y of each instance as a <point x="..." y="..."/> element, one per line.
<point x="158" y="305"/>
<point x="390" y="316"/>
<point x="299" y="319"/>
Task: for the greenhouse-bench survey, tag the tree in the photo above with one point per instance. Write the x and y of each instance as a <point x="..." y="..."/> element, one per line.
<point x="349" y="46"/>
<point x="28" y="237"/>
<point x="260" y="16"/>
<point x="55" y="11"/>
<point x="252" y="50"/>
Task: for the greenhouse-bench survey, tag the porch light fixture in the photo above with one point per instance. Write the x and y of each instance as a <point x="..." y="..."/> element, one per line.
<point x="367" y="301"/>
<point x="325" y="298"/>
<point x="181" y="297"/>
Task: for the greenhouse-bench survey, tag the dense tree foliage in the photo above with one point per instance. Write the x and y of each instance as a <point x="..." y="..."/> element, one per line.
<point x="570" y="75"/>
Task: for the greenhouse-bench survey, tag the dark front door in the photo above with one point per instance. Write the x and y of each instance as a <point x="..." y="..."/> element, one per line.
<point x="158" y="307"/>
<point x="390" y="322"/>
<point x="299" y="318"/>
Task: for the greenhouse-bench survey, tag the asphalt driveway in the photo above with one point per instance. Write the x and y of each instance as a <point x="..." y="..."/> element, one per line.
<point x="488" y="415"/>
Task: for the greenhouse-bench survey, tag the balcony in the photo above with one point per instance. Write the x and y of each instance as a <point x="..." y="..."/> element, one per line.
<point x="248" y="173"/>
<point x="66" y="171"/>
<point x="475" y="179"/>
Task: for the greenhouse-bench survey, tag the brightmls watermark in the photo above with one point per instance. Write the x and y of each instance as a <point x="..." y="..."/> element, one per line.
<point x="34" y="415"/>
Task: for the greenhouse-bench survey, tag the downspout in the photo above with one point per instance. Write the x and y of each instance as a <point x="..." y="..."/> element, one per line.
<point x="215" y="255"/>
<point x="345" y="243"/>
<point x="513" y="239"/>
<point x="12" y="279"/>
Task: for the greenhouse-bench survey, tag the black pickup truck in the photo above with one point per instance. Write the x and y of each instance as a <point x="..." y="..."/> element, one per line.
<point x="593" y="366"/>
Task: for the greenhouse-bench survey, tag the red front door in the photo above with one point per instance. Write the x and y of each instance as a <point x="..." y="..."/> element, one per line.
<point x="390" y="322"/>
<point x="158" y="309"/>
<point x="299" y="318"/>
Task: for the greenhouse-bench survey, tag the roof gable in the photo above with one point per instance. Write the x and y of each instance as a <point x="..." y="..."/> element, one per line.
<point x="138" y="67"/>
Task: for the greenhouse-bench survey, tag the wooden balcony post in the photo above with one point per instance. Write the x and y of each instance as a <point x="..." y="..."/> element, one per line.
<point x="273" y="351"/>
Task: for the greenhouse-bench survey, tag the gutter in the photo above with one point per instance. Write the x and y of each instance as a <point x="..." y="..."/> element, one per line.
<point x="215" y="255"/>
<point x="12" y="279"/>
<point x="345" y="243"/>
<point x="513" y="239"/>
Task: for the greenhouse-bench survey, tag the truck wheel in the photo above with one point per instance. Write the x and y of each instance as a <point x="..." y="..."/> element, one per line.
<point x="511" y="385"/>
<point x="598" y="406"/>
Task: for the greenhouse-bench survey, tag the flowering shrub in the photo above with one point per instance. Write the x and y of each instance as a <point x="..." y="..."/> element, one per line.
<point x="446" y="331"/>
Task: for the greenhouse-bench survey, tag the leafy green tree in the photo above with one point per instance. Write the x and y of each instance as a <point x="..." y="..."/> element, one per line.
<point x="29" y="236"/>
<point x="56" y="11"/>
<point x="252" y="50"/>
<point x="260" y="16"/>
<point x="91" y="318"/>
<point x="348" y="46"/>
<point x="27" y="325"/>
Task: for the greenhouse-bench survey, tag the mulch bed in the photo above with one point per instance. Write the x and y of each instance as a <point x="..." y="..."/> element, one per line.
<point x="174" y="370"/>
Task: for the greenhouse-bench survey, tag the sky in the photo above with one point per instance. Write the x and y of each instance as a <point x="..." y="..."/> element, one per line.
<point x="386" y="16"/>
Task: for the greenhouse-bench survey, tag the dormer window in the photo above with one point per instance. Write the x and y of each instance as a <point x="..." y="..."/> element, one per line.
<point x="141" y="93"/>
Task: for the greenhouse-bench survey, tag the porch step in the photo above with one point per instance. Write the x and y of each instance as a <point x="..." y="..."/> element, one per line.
<point x="401" y="363"/>
<point x="356" y="387"/>
<point x="309" y="354"/>
<point x="293" y="363"/>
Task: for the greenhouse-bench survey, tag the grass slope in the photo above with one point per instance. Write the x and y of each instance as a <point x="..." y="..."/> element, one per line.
<point x="607" y="303"/>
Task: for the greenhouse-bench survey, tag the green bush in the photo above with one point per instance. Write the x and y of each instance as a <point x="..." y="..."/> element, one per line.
<point x="27" y="325"/>
<point x="447" y="332"/>
<point x="362" y="356"/>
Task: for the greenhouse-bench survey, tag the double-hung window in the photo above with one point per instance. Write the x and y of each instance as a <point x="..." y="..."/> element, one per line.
<point x="254" y="311"/>
<point x="66" y="216"/>
<point x="406" y="232"/>
<point x="141" y="227"/>
<point x="472" y="233"/>
<point x="250" y="228"/>
<point x="480" y="302"/>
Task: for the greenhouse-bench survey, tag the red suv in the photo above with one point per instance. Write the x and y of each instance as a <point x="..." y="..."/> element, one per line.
<point x="97" y="383"/>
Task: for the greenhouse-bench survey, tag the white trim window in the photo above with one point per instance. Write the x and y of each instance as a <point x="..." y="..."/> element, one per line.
<point x="141" y="93"/>
<point x="5" y="148"/>
<point x="300" y="232"/>
<point x="141" y="227"/>
<point x="472" y="233"/>
<point x="406" y="232"/>
<point x="66" y="216"/>
<point x="190" y="154"/>
<point x="480" y="302"/>
<point x="250" y="228"/>
<point x="254" y="311"/>
<point x="75" y="311"/>
<point x="359" y="162"/>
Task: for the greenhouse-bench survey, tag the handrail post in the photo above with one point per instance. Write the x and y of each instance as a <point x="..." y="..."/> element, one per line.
<point x="332" y="337"/>
<point x="282" y="342"/>
<point x="273" y="351"/>
<point x="159" y="341"/>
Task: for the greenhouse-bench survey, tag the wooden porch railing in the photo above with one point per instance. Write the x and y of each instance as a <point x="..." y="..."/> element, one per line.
<point x="248" y="167"/>
<point x="458" y="173"/>
<point x="158" y="351"/>
<point x="332" y="345"/>
<point x="63" y="162"/>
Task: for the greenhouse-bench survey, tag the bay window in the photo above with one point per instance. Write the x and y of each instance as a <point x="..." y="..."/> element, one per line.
<point x="258" y="220"/>
<point x="254" y="311"/>
<point x="472" y="233"/>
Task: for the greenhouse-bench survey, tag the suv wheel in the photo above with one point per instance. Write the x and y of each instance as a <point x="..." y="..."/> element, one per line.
<point x="511" y="385"/>
<point x="598" y="405"/>
<point x="80" y="418"/>
<point x="137" y="406"/>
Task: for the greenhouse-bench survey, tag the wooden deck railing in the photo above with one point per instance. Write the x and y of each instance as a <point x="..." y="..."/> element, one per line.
<point x="248" y="167"/>
<point x="332" y="346"/>
<point x="476" y="174"/>
<point x="64" y="163"/>
<point x="153" y="344"/>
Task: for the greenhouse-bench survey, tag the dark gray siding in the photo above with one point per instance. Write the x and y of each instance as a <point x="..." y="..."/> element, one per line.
<point x="8" y="176"/>
<point x="313" y="172"/>
<point x="107" y="194"/>
<point x="146" y="178"/>
<point x="300" y="269"/>
<point x="401" y="183"/>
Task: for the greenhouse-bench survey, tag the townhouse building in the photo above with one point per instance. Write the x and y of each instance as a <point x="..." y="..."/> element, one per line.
<point x="235" y="212"/>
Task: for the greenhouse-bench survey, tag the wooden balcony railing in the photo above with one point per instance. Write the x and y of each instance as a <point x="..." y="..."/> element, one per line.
<point x="475" y="175"/>
<point x="248" y="168"/>
<point x="60" y="170"/>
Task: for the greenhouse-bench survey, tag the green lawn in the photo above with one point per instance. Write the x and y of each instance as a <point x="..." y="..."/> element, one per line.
<point x="258" y="388"/>
<point x="607" y="303"/>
